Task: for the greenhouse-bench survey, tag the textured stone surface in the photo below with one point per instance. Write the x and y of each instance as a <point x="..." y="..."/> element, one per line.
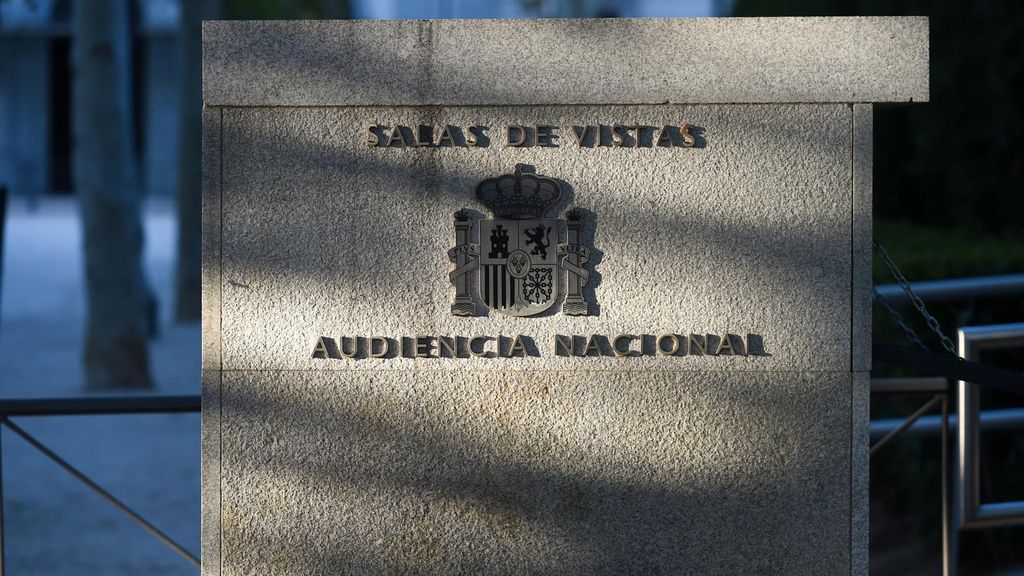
<point x="210" y="473"/>
<point x="863" y="281"/>
<point x="542" y="465"/>
<point x="860" y="429"/>
<point x="613" y="61"/>
<point x="749" y="233"/>
<point x="580" y="472"/>
<point x="211" y="218"/>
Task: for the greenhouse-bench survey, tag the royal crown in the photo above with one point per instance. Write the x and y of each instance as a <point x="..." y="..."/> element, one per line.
<point x="519" y="196"/>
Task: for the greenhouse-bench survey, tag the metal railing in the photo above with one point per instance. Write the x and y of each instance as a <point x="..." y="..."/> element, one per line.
<point x="971" y="512"/>
<point x="957" y="288"/>
<point x="967" y="511"/>
<point x="989" y="420"/>
<point x="939" y="390"/>
<point x="91" y="406"/>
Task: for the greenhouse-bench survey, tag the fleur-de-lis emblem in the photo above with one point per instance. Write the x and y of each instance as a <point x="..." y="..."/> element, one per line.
<point x="518" y="262"/>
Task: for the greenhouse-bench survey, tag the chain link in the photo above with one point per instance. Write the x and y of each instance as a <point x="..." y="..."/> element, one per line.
<point x="933" y="324"/>
<point x="908" y="331"/>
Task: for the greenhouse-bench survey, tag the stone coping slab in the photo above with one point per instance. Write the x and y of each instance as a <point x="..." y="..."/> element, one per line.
<point x="565" y="61"/>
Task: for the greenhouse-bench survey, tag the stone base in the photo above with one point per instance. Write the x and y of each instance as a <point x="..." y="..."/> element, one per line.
<point x="557" y="473"/>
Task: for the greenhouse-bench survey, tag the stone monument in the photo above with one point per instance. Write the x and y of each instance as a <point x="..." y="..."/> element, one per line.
<point x="541" y="297"/>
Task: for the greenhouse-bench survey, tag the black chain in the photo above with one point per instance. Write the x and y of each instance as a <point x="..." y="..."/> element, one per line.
<point x="933" y="324"/>
<point x="898" y="319"/>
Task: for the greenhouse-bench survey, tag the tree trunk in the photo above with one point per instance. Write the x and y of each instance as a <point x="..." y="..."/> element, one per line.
<point x="116" y="354"/>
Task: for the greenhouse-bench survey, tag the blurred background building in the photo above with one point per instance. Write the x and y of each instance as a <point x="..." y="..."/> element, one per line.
<point x="35" y="95"/>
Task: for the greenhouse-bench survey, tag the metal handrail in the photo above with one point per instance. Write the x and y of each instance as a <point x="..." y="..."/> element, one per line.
<point x="972" y="513"/>
<point x="148" y="404"/>
<point x="957" y="288"/>
<point x="991" y="420"/>
<point x="91" y="406"/>
<point x="997" y="419"/>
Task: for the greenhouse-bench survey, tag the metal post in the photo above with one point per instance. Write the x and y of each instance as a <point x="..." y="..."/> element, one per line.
<point x="968" y="470"/>
<point x="1" y="502"/>
<point x="950" y="533"/>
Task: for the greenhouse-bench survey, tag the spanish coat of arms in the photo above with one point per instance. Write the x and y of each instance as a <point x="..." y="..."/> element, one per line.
<point x="519" y="260"/>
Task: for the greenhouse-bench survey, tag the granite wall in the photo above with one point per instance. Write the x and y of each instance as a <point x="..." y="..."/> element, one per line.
<point x="539" y="463"/>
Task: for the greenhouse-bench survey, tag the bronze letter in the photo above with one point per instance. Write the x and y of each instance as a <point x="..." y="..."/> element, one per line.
<point x="446" y="136"/>
<point x="517" y="346"/>
<point x="396" y="134"/>
<point x="483" y="353"/>
<point x="698" y="341"/>
<point x="385" y="347"/>
<point x="619" y="351"/>
<point x="545" y="136"/>
<point x="755" y="345"/>
<point x="355" y="347"/>
<point x="580" y="134"/>
<point x="321" y="348"/>
<point x="563" y="345"/>
<point x="424" y="346"/>
<point x="447" y="346"/>
<point x="725" y="347"/>
<point x="673" y="339"/>
<point x="665" y="138"/>
<point x="620" y="136"/>
<point x="616" y="137"/>
<point x="423" y="137"/>
<point x="688" y="140"/>
<point x="520" y="138"/>
<point x="372" y="140"/>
